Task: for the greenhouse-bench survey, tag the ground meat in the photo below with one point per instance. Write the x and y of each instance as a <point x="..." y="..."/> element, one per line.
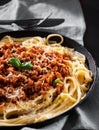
<point x="21" y="84"/>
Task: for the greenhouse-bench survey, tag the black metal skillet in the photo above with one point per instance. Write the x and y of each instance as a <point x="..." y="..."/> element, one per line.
<point x="69" y="43"/>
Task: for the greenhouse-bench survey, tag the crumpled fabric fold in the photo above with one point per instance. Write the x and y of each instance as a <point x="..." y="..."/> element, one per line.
<point x="73" y="27"/>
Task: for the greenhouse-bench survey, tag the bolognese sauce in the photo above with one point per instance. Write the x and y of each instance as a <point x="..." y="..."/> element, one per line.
<point x="40" y="78"/>
<point x="16" y="83"/>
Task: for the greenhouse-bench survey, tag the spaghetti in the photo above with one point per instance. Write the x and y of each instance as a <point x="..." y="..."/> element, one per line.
<point x="39" y="79"/>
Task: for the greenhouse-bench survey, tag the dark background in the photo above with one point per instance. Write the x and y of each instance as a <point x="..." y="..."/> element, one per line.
<point x="91" y="37"/>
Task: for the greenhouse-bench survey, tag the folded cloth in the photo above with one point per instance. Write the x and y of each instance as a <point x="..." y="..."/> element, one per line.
<point x="73" y="27"/>
<point x="70" y="10"/>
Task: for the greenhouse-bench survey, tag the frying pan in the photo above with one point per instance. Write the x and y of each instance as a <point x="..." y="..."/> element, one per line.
<point x="69" y="43"/>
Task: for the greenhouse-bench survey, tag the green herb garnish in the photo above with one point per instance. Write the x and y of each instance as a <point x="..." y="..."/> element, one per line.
<point x="56" y="81"/>
<point x="17" y="63"/>
<point x="26" y="65"/>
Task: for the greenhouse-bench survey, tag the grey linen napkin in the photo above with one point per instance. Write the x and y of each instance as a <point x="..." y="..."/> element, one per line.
<point x="70" y="10"/>
<point x="73" y="27"/>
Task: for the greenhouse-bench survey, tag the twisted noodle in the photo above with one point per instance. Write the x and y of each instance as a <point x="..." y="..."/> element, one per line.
<point x="62" y="63"/>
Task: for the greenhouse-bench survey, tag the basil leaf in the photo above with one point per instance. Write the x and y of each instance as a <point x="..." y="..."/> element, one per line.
<point x="26" y="65"/>
<point x="57" y="81"/>
<point x="15" y="62"/>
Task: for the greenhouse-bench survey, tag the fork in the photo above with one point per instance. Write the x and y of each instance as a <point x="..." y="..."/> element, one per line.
<point x="15" y="26"/>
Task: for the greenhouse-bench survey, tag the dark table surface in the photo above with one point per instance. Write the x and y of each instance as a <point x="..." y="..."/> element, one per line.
<point x="91" y="37"/>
